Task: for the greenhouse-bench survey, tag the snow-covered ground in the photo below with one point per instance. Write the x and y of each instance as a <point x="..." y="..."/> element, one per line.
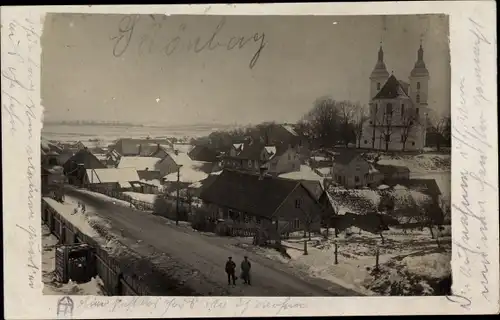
<point x="408" y="261"/>
<point x="51" y="286"/>
<point x="421" y="163"/>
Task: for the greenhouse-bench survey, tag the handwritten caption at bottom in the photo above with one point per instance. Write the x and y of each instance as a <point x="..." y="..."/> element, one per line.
<point x="167" y="304"/>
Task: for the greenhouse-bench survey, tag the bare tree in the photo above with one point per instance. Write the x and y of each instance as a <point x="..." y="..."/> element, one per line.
<point x="443" y="129"/>
<point x="346" y="111"/>
<point x="360" y="117"/>
<point x="323" y="121"/>
<point x="408" y="121"/>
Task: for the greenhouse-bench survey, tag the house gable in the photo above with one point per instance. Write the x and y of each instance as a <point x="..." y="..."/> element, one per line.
<point x="299" y="204"/>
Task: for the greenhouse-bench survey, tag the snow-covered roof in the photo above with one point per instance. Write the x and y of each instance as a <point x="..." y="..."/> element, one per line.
<point x="110" y="175"/>
<point x="383" y="187"/>
<point x="305" y="173"/>
<point x="139" y="163"/>
<point x="237" y="145"/>
<point x="290" y="129"/>
<point x="181" y="158"/>
<point x="187" y="175"/>
<point x="324" y="171"/>
<point x="270" y="150"/>
<point x="216" y="173"/>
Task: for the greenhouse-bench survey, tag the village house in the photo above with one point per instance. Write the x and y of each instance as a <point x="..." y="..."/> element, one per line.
<point x="253" y="155"/>
<point x="351" y="170"/>
<point x="110" y="179"/>
<point x="75" y="167"/>
<point x="94" y="146"/>
<point x="148" y="168"/>
<point x="275" y="203"/>
<point x="113" y="158"/>
<point x="131" y="147"/>
<point x="287" y="134"/>
<point x="391" y="172"/>
<point x="51" y="179"/>
<point x="203" y="153"/>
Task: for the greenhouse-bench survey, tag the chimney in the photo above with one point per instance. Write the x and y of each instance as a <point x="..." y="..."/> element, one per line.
<point x="176" y="152"/>
<point x="147" y="169"/>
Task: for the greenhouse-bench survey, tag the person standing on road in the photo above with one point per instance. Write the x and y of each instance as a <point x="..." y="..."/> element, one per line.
<point x="245" y="270"/>
<point x="230" y="270"/>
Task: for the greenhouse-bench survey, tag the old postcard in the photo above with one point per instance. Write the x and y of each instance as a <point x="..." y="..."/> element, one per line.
<point x="250" y="160"/>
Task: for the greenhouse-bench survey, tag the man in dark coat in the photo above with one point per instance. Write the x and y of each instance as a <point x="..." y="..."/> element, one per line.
<point x="230" y="270"/>
<point x="245" y="270"/>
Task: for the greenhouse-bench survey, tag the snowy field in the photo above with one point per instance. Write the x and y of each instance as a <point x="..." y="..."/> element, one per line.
<point x="110" y="133"/>
<point x="51" y="286"/>
<point x="410" y="263"/>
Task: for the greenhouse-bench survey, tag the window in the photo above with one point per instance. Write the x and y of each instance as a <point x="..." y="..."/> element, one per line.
<point x="356" y="179"/>
<point x="366" y="142"/>
<point x="371" y="122"/>
<point x="366" y="176"/>
<point x="296" y="224"/>
<point x="413" y="143"/>
<point x="388" y="108"/>
<point x="387" y="138"/>
<point x="249" y="163"/>
<point x="417" y="110"/>
<point x="339" y="179"/>
<point x="418" y="85"/>
<point x="257" y="220"/>
<point x="417" y="98"/>
<point x="293" y="166"/>
<point x="298" y="202"/>
<point x="402" y="110"/>
<point x="378" y="85"/>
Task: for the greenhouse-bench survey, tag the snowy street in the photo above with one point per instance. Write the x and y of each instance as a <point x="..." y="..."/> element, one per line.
<point x="204" y="253"/>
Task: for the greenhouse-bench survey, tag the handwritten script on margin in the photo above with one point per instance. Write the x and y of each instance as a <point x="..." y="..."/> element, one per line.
<point x="471" y="142"/>
<point x="167" y="304"/>
<point x="17" y="103"/>
<point x="148" y="43"/>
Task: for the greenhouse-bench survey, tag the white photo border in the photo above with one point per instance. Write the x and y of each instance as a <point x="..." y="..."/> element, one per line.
<point x="474" y="172"/>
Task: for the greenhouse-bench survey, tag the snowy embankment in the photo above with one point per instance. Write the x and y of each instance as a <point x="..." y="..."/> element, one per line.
<point x="409" y="262"/>
<point x="144" y="197"/>
<point x="51" y="286"/>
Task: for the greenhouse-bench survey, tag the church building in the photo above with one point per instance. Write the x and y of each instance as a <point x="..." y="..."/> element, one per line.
<point x="398" y="110"/>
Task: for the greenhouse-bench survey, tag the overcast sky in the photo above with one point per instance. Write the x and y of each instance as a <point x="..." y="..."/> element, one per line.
<point x="301" y="58"/>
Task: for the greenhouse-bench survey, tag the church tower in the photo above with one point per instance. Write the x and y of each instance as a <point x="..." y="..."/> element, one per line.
<point x="419" y="82"/>
<point x="379" y="74"/>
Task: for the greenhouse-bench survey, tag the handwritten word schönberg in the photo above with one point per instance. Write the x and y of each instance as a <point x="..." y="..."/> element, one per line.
<point x="147" y="43"/>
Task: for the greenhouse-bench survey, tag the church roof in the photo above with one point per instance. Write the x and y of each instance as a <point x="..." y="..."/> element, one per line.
<point x="392" y="89"/>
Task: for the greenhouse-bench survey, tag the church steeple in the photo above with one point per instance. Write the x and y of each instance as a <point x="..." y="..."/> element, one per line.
<point x="380" y="70"/>
<point x="420" y="69"/>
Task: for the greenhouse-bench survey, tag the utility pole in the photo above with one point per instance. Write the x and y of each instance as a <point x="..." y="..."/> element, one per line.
<point x="178" y="189"/>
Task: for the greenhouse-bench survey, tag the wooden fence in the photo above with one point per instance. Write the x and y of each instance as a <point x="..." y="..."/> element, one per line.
<point x="115" y="281"/>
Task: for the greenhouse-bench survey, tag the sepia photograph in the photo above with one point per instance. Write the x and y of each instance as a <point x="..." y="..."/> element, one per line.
<point x="278" y="156"/>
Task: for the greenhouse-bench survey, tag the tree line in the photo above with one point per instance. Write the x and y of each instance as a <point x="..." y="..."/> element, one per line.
<point x="332" y="122"/>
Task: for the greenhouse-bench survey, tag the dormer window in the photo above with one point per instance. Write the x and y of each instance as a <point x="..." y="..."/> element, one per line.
<point x="417" y="110"/>
<point x="378" y="85"/>
<point x="418" y="85"/>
